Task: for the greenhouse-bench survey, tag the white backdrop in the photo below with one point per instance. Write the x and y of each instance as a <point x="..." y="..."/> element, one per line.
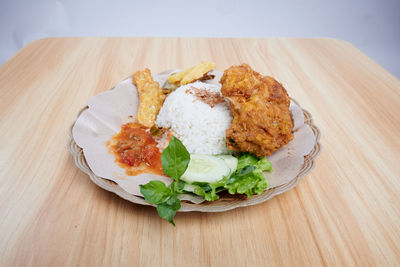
<point x="373" y="26"/>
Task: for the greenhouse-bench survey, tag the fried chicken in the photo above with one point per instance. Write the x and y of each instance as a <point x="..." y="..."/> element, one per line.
<point x="150" y="95"/>
<point x="262" y="122"/>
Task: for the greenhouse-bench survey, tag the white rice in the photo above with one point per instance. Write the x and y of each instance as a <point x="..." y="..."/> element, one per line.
<point x="200" y="127"/>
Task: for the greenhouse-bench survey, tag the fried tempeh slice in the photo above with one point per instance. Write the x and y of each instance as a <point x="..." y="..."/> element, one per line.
<point x="150" y="95"/>
<point x="191" y="74"/>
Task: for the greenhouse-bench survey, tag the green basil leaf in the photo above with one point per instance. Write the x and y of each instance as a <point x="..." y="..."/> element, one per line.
<point x="177" y="186"/>
<point x="174" y="202"/>
<point x="166" y="212"/>
<point x="175" y="159"/>
<point x="155" y="192"/>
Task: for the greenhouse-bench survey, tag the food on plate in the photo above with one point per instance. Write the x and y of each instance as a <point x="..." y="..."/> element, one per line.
<point x="209" y="168"/>
<point x="208" y="137"/>
<point x="151" y="97"/>
<point x="136" y="150"/>
<point x="199" y="72"/>
<point x="262" y="122"/>
<point x="199" y="122"/>
<point x="203" y="175"/>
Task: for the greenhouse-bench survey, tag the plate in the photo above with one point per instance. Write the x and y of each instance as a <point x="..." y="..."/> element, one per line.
<point x="189" y="203"/>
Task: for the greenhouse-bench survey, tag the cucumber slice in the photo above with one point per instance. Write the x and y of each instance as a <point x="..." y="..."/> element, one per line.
<point x="205" y="169"/>
<point x="230" y="160"/>
<point x="189" y="188"/>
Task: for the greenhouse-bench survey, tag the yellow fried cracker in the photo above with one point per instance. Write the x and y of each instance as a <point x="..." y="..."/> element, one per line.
<point x="197" y="72"/>
<point x="150" y="95"/>
<point x="177" y="77"/>
<point x="191" y="74"/>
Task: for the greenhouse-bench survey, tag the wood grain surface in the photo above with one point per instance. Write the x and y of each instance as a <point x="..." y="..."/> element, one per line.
<point x="345" y="213"/>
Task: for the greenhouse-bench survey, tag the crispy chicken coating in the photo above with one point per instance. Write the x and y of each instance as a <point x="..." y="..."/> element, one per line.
<point x="150" y="95"/>
<point x="262" y="122"/>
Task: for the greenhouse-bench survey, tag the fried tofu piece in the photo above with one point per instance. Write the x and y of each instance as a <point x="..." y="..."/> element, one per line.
<point x="151" y="97"/>
<point x="191" y="74"/>
<point x="262" y="122"/>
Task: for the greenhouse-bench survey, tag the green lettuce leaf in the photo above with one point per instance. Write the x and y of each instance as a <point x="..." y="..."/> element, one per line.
<point x="264" y="164"/>
<point x="209" y="191"/>
<point x="247" y="179"/>
<point x="246" y="160"/>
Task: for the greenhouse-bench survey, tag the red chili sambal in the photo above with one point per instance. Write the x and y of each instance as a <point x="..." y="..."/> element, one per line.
<point x="136" y="150"/>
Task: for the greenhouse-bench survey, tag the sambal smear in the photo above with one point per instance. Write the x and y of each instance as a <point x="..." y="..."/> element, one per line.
<point x="136" y="150"/>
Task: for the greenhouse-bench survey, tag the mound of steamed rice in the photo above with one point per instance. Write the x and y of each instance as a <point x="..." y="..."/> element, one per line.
<point x="200" y="127"/>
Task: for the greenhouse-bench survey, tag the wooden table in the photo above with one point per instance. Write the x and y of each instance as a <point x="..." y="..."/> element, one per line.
<point x="346" y="212"/>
